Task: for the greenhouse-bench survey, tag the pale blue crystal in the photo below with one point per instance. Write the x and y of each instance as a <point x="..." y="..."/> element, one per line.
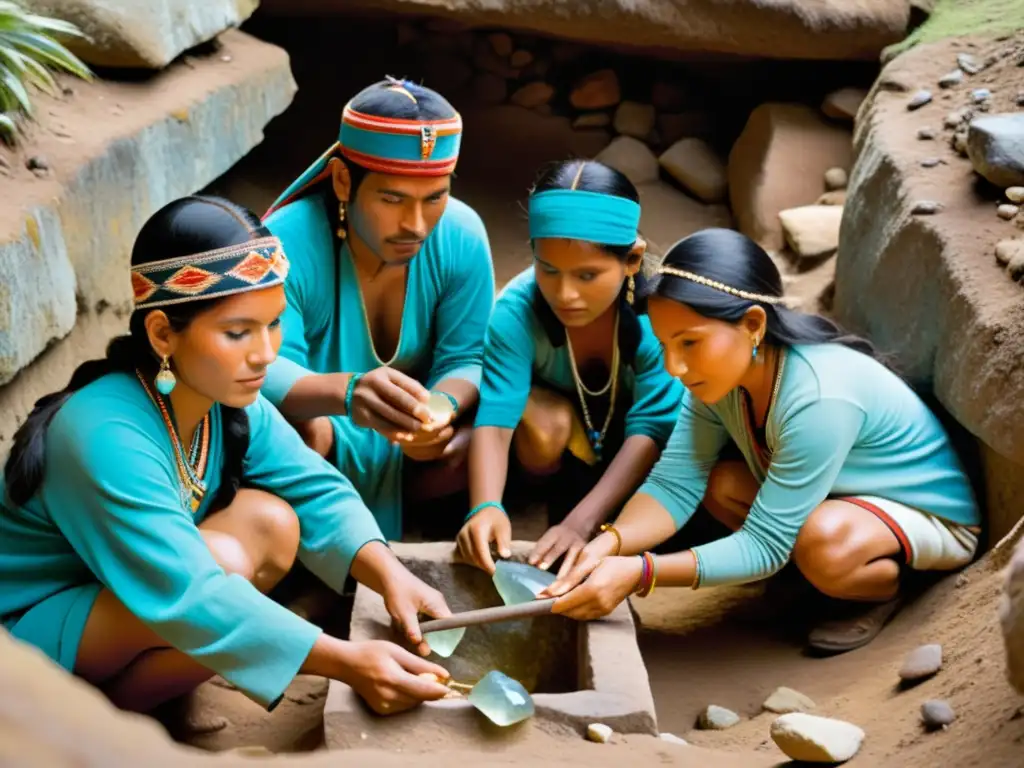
<point x="501" y="699"/>
<point x="445" y="641"/>
<point x="519" y="582"/>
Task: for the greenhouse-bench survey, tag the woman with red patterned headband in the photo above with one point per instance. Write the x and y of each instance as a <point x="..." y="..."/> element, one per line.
<point x="150" y="506"/>
<point x="392" y="285"/>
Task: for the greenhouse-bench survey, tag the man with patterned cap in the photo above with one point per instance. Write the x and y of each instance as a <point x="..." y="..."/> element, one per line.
<point x="390" y="291"/>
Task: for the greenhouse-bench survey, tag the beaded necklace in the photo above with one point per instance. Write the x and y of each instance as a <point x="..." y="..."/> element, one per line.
<point x="191" y="470"/>
<point x="597" y="438"/>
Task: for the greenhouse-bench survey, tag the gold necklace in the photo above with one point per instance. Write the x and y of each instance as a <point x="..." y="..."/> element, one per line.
<point x="191" y="477"/>
<point x="366" y="319"/>
<point x="597" y="438"/>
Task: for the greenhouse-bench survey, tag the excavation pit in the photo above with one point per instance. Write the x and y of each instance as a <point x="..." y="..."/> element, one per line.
<point x="578" y="673"/>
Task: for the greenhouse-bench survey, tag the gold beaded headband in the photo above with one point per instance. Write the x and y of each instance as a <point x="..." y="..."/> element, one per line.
<point x="761" y="297"/>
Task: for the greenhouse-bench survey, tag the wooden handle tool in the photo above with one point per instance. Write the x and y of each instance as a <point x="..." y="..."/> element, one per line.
<point x="490" y="615"/>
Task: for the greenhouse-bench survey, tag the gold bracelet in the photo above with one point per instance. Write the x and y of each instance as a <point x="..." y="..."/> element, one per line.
<point x="606" y="528"/>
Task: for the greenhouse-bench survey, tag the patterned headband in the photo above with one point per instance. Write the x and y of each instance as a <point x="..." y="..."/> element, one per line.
<point x="384" y="145"/>
<point x="760" y="297"/>
<point x="235" y="269"/>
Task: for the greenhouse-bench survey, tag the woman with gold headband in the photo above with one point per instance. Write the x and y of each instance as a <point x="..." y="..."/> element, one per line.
<point x="150" y="506"/>
<point x="574" y="386"/>
<point x="391" y="287"/>
<point x="845" y="470"/>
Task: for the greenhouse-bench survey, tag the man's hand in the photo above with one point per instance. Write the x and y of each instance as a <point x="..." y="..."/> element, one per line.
<point x="391" y="403"/>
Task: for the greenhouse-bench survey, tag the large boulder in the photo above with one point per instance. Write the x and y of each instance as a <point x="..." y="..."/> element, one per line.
<point x="115" y="157"/>
<point x="779" y="162"/>
<point x="1011" y="616"/>
<point x="129" y="33"/>
<point x="779" y="29"/>
<point x="928" y="289"/>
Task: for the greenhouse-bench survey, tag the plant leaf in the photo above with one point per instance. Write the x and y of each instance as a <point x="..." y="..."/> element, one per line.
<point x="10" y="82"/>
<point x="8" y="130"/>
<point x="41" y="47"/>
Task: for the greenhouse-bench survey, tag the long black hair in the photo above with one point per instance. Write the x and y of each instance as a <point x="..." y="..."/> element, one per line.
<point x="731" y="258"/>
<point x="386" y="99"/>
<point x="592" y="176"/>
<point x="186" y="226"/>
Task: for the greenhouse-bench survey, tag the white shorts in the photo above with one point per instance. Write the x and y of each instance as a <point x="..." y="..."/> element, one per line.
<point x="929" y="543"/>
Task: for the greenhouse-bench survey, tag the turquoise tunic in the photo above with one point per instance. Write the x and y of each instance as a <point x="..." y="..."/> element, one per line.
<point x="842" y="425"/>
<point x="449" y="295"/>
<point x="109" y="513"/>
<point x="517" y="349"/>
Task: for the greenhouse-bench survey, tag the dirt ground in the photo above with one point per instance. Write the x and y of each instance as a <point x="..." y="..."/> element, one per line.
<point x="729" y="646"/>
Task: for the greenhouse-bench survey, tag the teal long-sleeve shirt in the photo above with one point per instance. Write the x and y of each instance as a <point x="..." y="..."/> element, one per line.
<point x="842" y="425"/>
<point x="517" y="348"/>
<point x="449" y="296"/>
<point x="109" y="510"/>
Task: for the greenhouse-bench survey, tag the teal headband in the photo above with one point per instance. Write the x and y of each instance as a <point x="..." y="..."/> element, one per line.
<point x="580" y="215"/>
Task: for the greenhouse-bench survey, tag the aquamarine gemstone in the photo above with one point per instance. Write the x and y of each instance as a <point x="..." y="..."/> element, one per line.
<point x="501" y="699"/>
<point x="444" y="642"/>
<point x="519" y="582"/>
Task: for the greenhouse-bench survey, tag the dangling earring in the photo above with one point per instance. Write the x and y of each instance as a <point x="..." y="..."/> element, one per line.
<point x="165" y="380"/>
<point x="630" y="287"/>
<point x="341" y="220"/>
<point x="753" y="352"/>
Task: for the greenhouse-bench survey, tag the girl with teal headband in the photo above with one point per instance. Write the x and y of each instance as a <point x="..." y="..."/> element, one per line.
<point x="391" y="287"/>
<point x="573" y="384"/>
<point x="844" y="471"/>
<point x="150" y="506"/>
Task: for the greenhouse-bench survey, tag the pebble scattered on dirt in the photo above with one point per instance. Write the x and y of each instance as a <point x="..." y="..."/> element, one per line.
<point x="716" y="718"/>
<point x="921" y="663"/>
<point x="937" y="714"/>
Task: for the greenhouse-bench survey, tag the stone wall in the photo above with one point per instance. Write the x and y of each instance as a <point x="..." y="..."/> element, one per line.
<point x="778" y="29"/>
<point x="104" y="157"/>
<point x="917" y="268"/>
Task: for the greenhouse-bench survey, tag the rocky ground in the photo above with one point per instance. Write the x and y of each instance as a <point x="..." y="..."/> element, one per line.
<point x="777" y="172"/>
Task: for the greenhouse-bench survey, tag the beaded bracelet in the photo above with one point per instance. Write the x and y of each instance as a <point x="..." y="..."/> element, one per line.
<point x="485" y="505"/>
<point x="349" y="391"/>
<point x="650" y="575"/>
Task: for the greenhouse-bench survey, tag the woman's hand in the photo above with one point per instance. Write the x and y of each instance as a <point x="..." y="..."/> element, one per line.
<point x="586" y="561"/>
<point x="558" y="540"/>
<point x="389" y="678"/>
<point x="612" y="581"/>
<point x="406" y="597"/>
<point x="474" y="541"/>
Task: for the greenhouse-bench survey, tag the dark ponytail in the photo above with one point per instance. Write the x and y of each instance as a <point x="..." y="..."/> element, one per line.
<point x="731" y="258"/>
<point x="596" y="177"/>
<point x="186" y="226"/>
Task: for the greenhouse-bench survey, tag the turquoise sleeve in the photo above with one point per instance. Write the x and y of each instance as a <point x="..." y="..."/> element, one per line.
<point x="464" y="307"/>
<point x="656" y="395"/>
<point x="680" y="477"/>
<point x="813" y="444"/>
<point x="119" y="508"/>
<point x="508" y="368"/>
<point x="293" y="226"/>
<point x="334" y="522"/>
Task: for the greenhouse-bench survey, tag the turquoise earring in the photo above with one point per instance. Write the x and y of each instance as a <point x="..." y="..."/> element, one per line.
<point x="753" y="352"/>
<point x="165" y="380"/>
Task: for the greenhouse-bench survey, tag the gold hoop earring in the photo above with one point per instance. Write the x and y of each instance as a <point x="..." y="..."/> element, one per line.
<point x="630" y="288"/>
<point x="341" y="220"/>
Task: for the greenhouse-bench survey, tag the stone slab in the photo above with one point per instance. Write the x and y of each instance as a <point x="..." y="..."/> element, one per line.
<point x="129" y="33"/>
<point x="595" y="667"/>
<point x="782" y="29"/>
<point x="118" y="152"/>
